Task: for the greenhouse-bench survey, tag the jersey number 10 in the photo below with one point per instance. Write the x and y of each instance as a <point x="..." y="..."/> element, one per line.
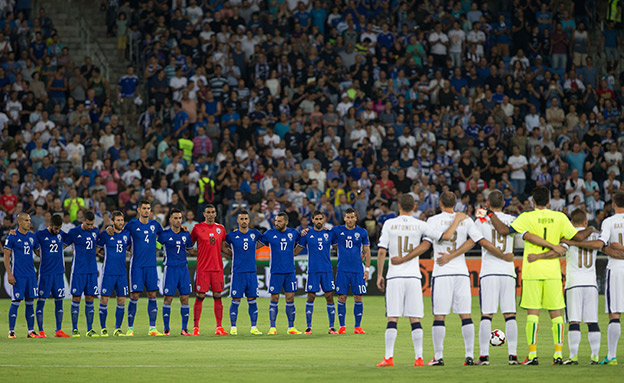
<point x="585" y="258"/>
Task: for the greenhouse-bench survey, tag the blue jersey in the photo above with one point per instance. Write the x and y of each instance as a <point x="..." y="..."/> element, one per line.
<point x="243" y="250"/>
<point x="84" y="242"/>
<point x="282" y="245"/>
<point x="144" y="237"/>
<point x="22" y="247"/>
<point x="350" y="243"/>
<point x="319" y="249"/>
<point x="51" y="253"/>
<point x="175" y="245"/>
<point x="115" y="248"/>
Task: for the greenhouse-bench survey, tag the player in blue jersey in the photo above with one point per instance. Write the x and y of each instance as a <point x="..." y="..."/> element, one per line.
<point x="51" y="273"/>
<point x="18" y="262"/>
<point x="243" y="243"/>
<point x="84" y="276"/>
<point x="282" y="241"/>
<point x="353" y="245"/>
<point x="114" y="277"/>
<point x="320" y="272"/>
<point x="176" y="244"/>
<point x="143" y="274"/>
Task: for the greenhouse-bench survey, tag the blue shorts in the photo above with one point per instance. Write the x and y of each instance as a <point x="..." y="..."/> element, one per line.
<point x="356" y="281"/>
<point x="316" y="281"/>
<point x="286" y="281"/>
<point x="176" y="277"/>
<point x="244" y="284"/>
<point x="116" y="283"/>
<point x="24" y="288"/>
<point x="86" y="284"/>
<point x="52" y="283"/>
<point x="143" y="277"/>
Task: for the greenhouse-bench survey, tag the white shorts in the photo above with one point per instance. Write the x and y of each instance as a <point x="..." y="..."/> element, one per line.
<point x="404" y="298"/>
<point x="582" y="304"/>
<point x="495" y="290"/>
<point x="451" y="291"/>
<point x="614" y="294"/>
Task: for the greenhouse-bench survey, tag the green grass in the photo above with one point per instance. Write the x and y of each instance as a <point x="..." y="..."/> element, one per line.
<point x="247" y="358"/>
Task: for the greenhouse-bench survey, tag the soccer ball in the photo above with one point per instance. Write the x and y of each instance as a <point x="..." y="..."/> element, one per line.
<point x="497" y="338"/>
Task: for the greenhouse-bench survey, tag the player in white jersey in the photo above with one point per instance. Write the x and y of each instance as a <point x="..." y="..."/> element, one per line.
<point x="401" y="239"/>
<point x="497" y="282"/>
<point x="450" y="285"/>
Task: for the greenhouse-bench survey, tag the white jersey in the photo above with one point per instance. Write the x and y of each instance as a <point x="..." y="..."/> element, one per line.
<point x="581" y="265"/>
<point x="401" y="235"/>
<point x="612" y="230"/>
<point x="491" y="264"/>
<point x="457" y="266"/>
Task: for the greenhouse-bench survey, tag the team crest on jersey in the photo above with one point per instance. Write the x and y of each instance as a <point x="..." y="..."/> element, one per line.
<point x="152" y="228"/>
<point x="290" y="236"/>
<point x="326" y="236"/>
<point x="59" y="237"/>
<point x="125" y="238"/>
<point x="183" y="239"/>
<point x="94" y="235"/>
<point x="218" y="231"/>
<point x="253" y="236"/>
<point x="357" y="236"/>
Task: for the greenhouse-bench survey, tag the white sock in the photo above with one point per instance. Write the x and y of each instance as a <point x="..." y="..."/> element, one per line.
<point x="468" y="334"/>
<point x="391" y="335"/>
<point x="613" y="335"/>
<point x="417" y="339"/>
<point x="485" y="328"/>
<point x="438" y="333"/>
<point x="594" y="342"/>
<point x="511" y="332"/>
<point x="574" y="340"/>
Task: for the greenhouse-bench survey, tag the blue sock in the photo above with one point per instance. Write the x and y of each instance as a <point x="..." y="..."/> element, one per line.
<point x="152" y="310"/>
<point x="309" y="311"/>
<point x="273" y="313"/>
<point x="58" y="313"/>
<point x="30" y="315"/>
<point x="253" y="311"/>
<point x="89" y="313"/>
<point x="331" y="314"/>
<point x="103" y="315"/>
<point x="290" y="313"/>
<point x="234" y="312"/>
<point x="185" y="313"/>
<point x="75" y="310"/>
<point x="342" y="313"/>
<point x="166" y="315"/>
<point x="132" y="307"/>
<point x="119" y="314"/>
<point x="358" y="310"/>
<point x="13" y="314"/>
<point x="39" y="313"/>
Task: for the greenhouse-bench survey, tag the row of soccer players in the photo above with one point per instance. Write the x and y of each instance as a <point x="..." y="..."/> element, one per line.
<point x="139" y="236"/>
<point x="405" y="238"/>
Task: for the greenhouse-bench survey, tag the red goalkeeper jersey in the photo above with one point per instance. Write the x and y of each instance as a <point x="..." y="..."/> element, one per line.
<point x="209" y="239"/>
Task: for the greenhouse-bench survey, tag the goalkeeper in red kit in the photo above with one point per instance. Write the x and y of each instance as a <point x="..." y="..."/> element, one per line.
<point x="210" y="239"/>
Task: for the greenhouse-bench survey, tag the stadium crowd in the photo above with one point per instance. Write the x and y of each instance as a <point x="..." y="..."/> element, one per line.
<point x="294" y="106"/>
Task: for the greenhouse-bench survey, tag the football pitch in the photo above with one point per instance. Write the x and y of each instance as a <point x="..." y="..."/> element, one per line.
<point x="249" y="358"/>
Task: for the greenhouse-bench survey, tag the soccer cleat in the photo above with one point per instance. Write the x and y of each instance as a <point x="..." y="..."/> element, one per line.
<point x="60" y="334"/>
<point x="220" y="331"/>
<point x="571" y="362"/>
<point x="358" y="330"/>
<point x="130" y="332"/>
<point x="233" y="331"/>
<point x="294" y="331"/>
<point x="12" y="335"/>
<point x="513" y="360"/>
<point x="530" y="362"/>
<point x="92" y="334"/>
<point x="610" y="362"/>
<point x="469" y="361"/>
<point x="342" y="330"/>
<point x="195" y="330"/>
<point x="386" y="363"/>
<point x="254" y="331"/>
<point x="118" y="332"/>
<point x="594" y="360"/>
<point x="154" y="332"/>
<point x="167" y="332"/>
<point x="436" y="362"/>
<point x="483" y="361"/>
<point x="557" y="361"/>
<point x="75" y="334"/>
<point x="185" y="332"/>
<point x="42" y="334"/>
<point x="332" y="331"/>
<point x="419" y="362"/>
<point x="272" y="331"/>
<point x="33" y="334"/>
<point x="308" y="331"/>
<point x="104" y="333"/>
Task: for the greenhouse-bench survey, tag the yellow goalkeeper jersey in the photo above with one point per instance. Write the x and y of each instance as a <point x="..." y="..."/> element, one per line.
<point x="550" y="225"/>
